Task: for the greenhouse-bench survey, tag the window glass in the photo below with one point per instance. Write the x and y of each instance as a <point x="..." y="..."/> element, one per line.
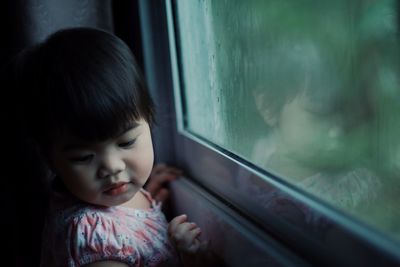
<point x="307" y="90"/>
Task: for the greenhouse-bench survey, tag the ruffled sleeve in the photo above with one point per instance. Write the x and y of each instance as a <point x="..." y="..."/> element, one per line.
<point x="93" y="237"/>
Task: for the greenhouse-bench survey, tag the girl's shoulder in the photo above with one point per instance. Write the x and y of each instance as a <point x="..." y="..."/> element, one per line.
<point x="142" y="200"/>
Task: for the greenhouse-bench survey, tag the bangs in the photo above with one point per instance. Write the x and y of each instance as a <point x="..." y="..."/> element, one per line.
<point x="97" y="105"/>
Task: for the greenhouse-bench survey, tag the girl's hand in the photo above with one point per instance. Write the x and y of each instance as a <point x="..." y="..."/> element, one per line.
<point x="193" y="253"/>
<point x="159" y="177"/>
<point x="184" y="235"/>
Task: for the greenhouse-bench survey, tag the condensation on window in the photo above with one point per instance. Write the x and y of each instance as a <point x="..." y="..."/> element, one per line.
<point x="198" y="49"/>
<point x="307" y="90"/>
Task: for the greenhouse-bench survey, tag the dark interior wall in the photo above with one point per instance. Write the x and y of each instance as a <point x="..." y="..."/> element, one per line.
<point x="26" y="22"/>
<point x="127" y="26"/>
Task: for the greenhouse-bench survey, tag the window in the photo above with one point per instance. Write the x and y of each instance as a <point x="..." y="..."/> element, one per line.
<point x="288" y="112"/>
<point x="306" y="90"/>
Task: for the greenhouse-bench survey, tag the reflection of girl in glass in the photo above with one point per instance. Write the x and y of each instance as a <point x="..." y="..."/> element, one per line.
<point x="320" y="121"/>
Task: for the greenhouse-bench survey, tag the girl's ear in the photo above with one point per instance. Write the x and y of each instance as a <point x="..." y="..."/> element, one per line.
<point x="269" y="116"/>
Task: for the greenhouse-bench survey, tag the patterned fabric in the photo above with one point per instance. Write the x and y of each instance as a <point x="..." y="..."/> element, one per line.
<point x="77" y="234"/>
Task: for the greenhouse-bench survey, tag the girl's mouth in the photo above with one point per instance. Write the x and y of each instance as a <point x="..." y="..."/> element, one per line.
<point x="117" y="189"/>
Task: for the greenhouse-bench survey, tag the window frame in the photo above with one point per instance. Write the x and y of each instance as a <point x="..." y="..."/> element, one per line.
<point x="356" y="243"/>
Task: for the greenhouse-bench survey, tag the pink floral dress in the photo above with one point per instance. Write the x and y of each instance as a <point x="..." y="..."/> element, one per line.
<point x="77" y="234"/>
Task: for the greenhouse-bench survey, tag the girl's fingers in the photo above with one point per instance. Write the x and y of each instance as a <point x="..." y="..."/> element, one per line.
<point x="160" y="175"/>
<point x="164" y="177"/>
<point x="162" y="195"/>
<point x="158" y="168"/>
<point x="156" y="184"/>
<point x="185" y="237"/>
<point x="183" y="229"/>
<point x="175" y="222"/>
<point x="190" y="236"/>
<point x="190" y="242"/>
<point x="163" y="168"/>
<point x="153" y="186"/>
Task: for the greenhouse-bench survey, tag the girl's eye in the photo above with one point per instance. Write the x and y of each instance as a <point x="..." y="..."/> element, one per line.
<point x="127" y="144"/>
<point x="81" y="159"/>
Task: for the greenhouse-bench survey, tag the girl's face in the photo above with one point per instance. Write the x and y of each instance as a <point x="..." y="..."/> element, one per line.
<point x="105" y="173"/>
<point x="317" y="136"/>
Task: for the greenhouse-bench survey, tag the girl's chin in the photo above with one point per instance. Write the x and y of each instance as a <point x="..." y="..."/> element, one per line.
<point x="120" y="199"/>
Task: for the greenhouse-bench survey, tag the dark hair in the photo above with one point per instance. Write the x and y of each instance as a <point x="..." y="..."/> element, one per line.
<point x="81" y="80"/>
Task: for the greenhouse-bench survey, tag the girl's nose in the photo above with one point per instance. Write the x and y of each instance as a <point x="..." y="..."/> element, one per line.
<point x="111" y="165"/>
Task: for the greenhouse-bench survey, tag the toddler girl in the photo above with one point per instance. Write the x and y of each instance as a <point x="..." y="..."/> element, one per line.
<point x="88" y="113"/>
